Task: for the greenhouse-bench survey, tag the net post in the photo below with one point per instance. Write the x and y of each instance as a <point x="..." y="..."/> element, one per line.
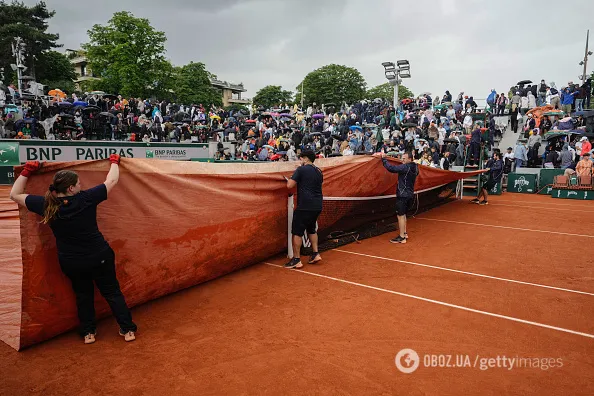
<point x="290" y="207"/>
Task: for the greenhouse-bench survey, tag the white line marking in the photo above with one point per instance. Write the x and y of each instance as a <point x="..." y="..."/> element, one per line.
<point x="511" y="318"/>
<point x="539" y="207"/>
<point x="466" y="272"/>
<point x="539" y="203"/>
<point x="506" y="227"/>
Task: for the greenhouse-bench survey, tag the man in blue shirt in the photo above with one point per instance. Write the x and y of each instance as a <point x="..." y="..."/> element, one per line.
<point x="405" y="192"/>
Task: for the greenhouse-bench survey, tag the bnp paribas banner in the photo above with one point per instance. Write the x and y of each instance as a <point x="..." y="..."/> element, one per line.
<point x="9" y="154"/>
<point x="43" y="150"/>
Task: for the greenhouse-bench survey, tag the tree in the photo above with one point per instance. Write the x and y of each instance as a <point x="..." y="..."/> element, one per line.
<point x="332" y="84"/>
<point x="386" y="91"/>
<point x="192" y="85"/>
<point x="29" y="23"/>
<point x="55" y="70"/>
<point x="272" y="95"/>
<point x="128" y="55"/>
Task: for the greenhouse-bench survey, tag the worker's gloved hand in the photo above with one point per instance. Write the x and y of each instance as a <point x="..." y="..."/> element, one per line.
<point x="114" y="159"/>
<point x="30" y="168"/>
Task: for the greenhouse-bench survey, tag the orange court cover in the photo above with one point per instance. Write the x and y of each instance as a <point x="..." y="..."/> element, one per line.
<point x="172" y="225"/>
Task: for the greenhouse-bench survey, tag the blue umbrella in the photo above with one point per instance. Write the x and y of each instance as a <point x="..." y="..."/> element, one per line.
<point x="66" y="104"/>
<point x="80" y="103"/>
<point x="356" y="127"/>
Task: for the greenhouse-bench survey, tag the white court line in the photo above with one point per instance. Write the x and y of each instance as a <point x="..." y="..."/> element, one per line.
<point x="445" y="304"/>
<point x="538" y="207"/>
<point x="538" y="203"/>
<point x="466" y="272"/>
<point x="506" y="227"/>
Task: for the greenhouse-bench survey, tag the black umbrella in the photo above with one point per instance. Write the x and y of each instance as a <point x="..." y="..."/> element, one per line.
<point x="284" y="111"/>
<point x="109" y="96"/>
<point x="335" y="155"/>
<point x="409" y="125"/>
<point x="107" y="114"/>
<point x="449" y="140"/>
<point x="90" y="109"/>
<point x="315" y="134"/>
<point x="524" y="82"/>
<point x="66" y="116"/>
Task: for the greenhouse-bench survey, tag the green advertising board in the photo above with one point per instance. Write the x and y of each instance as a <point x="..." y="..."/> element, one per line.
<point x="547" y="178"/>
<point x="496" y="190"/>
<point x="521" y="183"/>
<point x="6" y="175"/>
<point x="9" y="154"/>
<point x="573" y="194"/>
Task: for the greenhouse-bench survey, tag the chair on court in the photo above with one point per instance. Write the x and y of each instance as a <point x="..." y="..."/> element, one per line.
<point x="585" y="182"/>
<point x="561" y="182"/>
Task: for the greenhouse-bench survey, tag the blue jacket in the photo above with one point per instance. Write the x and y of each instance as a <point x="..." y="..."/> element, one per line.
<point x="407" y="175"/>
<point x="567" y="97"/>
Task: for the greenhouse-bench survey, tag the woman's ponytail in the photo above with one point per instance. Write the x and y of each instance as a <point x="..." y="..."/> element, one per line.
<point x="51" y="206"/>
<point x="63" y="180"/>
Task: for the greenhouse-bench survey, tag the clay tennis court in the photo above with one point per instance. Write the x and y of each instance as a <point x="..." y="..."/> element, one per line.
<point x="513" y="278"/>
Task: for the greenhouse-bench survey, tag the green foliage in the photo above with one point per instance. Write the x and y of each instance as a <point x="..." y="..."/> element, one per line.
<point x="272" y="95"/>
<point x="192" y="86"/>
<point x="29" y="23"/>
<point x="53" y="69"/>
<point x="332" y="84"/>
<point x="386" y="91"/>
<point x="236" y="107"/>
<point x="128" y="55"/>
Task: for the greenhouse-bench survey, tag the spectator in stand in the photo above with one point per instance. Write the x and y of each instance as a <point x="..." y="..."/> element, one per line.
<point x="584" y="167"/>
<point x="515" y="108"/>
<point x="555" y="99"/>
<point x="579" y="98"/>
<point x="524" y="104"/>
<point x="445" y="161"/>
<point x="501" y="102"/>
<point x="508" y="160"/>
<point x="551" y="158"/>
<point x="531" y="100"/>
<point x="586" y="145"/>
<point x="542" y="93"/>
<point x="520" y="153"/>
<point x="475" y="146"/>
<point x="567" y="98"/>
<point x="566" y="157"/>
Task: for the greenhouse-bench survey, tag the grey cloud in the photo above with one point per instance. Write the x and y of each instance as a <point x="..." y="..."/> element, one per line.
<point x="469" y="45"/>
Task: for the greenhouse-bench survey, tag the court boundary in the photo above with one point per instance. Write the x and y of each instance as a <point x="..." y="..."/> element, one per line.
<point x="442" y="303"/>
<point x="466" y="272"/>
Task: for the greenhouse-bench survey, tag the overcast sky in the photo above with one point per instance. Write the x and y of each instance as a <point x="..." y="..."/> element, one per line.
<point x="460" y="45"/>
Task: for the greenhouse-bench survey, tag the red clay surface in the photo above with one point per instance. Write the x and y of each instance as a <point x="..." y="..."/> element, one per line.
<point x="268" y="330"/>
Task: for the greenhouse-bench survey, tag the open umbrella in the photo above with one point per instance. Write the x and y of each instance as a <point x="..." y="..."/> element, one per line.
<point x="355" y="127"/>
<point x="524" y="82"/>
<point x="100" y="93"/>
<point x="268" y="146"/>
<point x="80" y="103"/>
<point x="554" y="113"/>
<point x="335" y="155"/>
<point x="317" y="116"/>
<point x="64" y="115"/>
<point x="409" y="125"/>
<point x="57" y="92"/>
<point x="107" y="114"/>
<point x="284" y="111"/>
<point x="425" y="93"/>
<point x="65" y="104"/>
<point x="315" y="134"/>
<point x="91" y="109"/>
<point x="110" y="96"/>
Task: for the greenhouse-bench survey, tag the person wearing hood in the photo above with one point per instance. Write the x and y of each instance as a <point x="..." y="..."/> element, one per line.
<point x="552" y="158"/>
<point x="567" y="100"/>
<point x="472" y="104"/>
<point x="447" y="97"/>
<point x="520" y="154"/>
<point x="492" y="100"/>
<point x="531" y="100"/>
<point x="566" y="157"/>
<point x="524" y="104"/>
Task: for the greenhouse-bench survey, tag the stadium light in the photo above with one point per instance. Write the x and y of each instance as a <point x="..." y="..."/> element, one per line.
<point x="393" y="74"/>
